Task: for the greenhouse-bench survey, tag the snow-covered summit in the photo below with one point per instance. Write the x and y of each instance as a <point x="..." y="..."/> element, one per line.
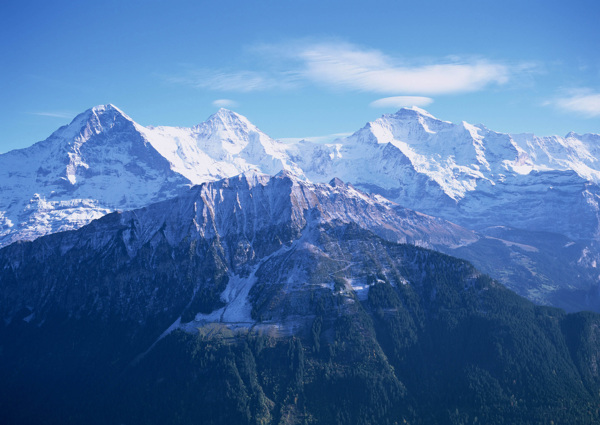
<point x="98" y="163"/>
<point x="230" y="131"/>
<point x="469" y="148"/>
<point x="225" y="145"/>
<point x="225" y="119"/>
<point x="411" y="113"/>
<point x="93" y="121"/>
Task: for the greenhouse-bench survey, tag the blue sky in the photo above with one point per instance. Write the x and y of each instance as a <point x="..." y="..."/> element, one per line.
<point x="300" y="68"/>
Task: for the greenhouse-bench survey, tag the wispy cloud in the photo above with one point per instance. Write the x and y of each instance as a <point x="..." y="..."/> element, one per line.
<point x="401" y="101"/>
<point x="53" y="114"/>
<point x="345" y="66"/>
<point x="583" y="101"/>
<point x="233" y="81"/>
<point x="225" y="103"/>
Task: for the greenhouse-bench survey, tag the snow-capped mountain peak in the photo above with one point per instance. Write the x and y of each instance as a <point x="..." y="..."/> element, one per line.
<point x="225" y="145"/>
<point x="93" y="121"/>
<point x="110" y="109"/>
<point x="413" y="111"/>
<point x="228" y="129"/>
<point x="98" y="163"/>
<point x="455" y="170"/>
<point x="228" y="117"/>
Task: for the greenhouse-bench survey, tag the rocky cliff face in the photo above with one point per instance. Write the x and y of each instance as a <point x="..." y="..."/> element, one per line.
<point x="203" y="251"/>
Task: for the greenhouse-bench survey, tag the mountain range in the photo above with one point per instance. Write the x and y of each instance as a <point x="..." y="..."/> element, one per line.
<point x="531" y="201"/>
<point x="215" y="275"/>
<point x="270" y="299"/>
<point x="471" y="175"/>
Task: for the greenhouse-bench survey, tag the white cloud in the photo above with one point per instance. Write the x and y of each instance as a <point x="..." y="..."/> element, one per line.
<point x="236" y="81"/>
<point x="225" y="103"/>
<point x="54" y="114"/>
<point x="583" y="101"/>
<point x="346" y="66"/>
<point x="401" y="101"/>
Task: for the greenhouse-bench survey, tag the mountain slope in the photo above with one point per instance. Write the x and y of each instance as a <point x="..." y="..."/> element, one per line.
<point x="263" y="299"/>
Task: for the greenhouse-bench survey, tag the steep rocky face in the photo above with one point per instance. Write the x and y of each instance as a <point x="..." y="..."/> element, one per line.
<point x="200" y="256"/>
<point x="202" y="250"/>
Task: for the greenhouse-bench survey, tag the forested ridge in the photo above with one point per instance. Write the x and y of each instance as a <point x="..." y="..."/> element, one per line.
<point x="436" y="342"/>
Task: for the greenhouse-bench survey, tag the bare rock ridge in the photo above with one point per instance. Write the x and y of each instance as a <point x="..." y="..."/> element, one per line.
<point x="200" y="249"/>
